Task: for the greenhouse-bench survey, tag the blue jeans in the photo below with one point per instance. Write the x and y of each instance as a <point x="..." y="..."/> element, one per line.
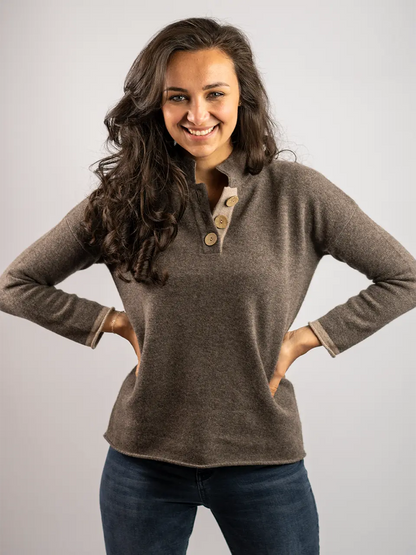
<point x="148" y="507"/>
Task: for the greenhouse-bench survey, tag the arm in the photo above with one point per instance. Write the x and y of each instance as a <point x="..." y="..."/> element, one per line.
<point x="339" y="227"/>
<point x="27" y="285"/>
<point x="343" y="230"/>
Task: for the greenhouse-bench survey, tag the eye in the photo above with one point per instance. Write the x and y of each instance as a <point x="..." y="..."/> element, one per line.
<point x="183" y="96"/>
<point x="175" y="96"/>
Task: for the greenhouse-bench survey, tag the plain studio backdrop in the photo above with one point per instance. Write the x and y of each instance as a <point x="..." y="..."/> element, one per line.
<point x="342" y="81"/>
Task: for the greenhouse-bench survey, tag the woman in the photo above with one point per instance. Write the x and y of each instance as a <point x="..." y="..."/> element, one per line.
<point x="212" y="242"/>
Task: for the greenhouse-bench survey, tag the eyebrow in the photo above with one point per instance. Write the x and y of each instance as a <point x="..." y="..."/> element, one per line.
<point x="212" y="86"/>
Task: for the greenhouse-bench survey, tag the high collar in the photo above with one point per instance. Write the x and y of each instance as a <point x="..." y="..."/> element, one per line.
<point x="233" y="167"/>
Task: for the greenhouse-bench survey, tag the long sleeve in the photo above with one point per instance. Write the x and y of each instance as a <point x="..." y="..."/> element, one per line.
<point x="342" y="229"/>
<point x="27" y="285"/>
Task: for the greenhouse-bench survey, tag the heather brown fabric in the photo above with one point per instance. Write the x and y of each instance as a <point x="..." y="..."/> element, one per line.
<point x="210" y="338"/>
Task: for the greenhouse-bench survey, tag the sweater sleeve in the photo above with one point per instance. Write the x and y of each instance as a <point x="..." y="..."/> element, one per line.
<point x="27" y="285"/>
<point x="342" y="229"/>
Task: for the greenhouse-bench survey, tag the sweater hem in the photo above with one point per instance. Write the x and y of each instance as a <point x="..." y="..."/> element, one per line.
<point x="183" y="463"/>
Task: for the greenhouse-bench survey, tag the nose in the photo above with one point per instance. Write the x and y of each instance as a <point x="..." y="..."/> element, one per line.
<point x="198" y="113"/>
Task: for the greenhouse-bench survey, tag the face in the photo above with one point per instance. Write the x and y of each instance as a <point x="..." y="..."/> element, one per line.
<point x="193" y="103"/>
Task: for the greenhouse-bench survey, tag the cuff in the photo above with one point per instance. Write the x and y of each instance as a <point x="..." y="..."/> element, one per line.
<point x="324" y="338"/>
<point x="96" y="333"/>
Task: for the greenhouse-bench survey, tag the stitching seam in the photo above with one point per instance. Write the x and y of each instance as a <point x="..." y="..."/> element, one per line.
<point x="76" y="238"/>
<point x="346" y="224"/>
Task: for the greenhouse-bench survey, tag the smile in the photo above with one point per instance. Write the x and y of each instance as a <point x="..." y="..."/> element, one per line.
<point x="203" y="135"/>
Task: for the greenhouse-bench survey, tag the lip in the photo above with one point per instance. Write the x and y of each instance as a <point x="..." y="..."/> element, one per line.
<point x="201" y="137"/>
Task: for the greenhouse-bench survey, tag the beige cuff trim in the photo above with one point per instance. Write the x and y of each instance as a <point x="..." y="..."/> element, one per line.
<point x="324" y="338"/>
<point x="95" y="336"/>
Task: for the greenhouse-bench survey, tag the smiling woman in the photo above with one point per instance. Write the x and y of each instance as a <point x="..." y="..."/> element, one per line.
<point x="207" y="416"/>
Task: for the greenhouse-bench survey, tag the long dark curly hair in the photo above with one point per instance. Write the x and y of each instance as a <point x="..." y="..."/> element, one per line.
<point x="134" y="213"/>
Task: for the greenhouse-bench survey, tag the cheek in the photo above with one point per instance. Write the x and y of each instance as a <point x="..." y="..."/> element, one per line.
<point x="228" y="115"/>
<point x="171" y="116"/>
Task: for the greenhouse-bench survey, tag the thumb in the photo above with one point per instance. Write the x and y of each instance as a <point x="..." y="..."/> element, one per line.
<point x="279" y="373"/>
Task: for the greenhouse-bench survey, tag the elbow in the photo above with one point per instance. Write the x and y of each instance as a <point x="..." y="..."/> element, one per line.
<point x="409" y="285"/>
<point x="4" y="280"/>
<point x="10" y="293"/>
<point x="400" y="289"/>
<point x="6" y="292"/>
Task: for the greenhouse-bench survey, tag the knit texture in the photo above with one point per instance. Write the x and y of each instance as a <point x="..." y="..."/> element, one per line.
<point x="210" y="338"/>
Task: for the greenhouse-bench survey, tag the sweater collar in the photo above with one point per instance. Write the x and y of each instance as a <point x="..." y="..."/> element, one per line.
<point x="233" y="167"/>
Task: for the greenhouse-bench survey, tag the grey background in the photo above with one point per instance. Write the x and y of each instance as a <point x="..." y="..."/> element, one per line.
<point x="341" y="77"/>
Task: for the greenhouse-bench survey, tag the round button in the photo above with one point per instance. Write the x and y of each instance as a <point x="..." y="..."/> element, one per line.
<point x="211" y="239"/>
<point x="232" y="200"/>
<point x="220" y="221"/>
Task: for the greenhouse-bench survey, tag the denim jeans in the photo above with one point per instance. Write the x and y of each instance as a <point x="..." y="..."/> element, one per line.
<point x="148" y="507"/>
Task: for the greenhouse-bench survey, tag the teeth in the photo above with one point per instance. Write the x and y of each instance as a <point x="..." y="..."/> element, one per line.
<point x="201" y="132"/>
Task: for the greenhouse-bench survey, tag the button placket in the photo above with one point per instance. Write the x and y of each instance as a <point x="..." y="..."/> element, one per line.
<point x="213" y="226"/>
<point x="223" y="212"/>
<point x="219" y="219"/>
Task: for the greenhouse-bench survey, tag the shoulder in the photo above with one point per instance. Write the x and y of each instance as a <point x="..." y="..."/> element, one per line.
<point x="75" y="215"/>
<point x="307" y="185"/>
<point x="298" y="175"/>
<point x="75" y="221"/>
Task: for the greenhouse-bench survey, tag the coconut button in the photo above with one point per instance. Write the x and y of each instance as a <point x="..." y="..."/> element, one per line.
<point x="211" y="239"/>
<point x="232" y="200"/>
<point x="221" y="221"/>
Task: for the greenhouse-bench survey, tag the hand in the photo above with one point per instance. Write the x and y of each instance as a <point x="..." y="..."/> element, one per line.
<point x="124" y="328"/>
<point x="295" y="344"/>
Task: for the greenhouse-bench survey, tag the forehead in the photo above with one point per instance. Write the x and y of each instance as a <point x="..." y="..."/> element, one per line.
<point x="204" y="65"/>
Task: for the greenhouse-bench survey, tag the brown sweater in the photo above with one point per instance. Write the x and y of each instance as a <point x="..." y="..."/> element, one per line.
<point x="210" y="338"/>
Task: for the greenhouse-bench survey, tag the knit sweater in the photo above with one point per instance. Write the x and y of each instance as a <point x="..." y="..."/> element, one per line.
<point x="210" y="338"/>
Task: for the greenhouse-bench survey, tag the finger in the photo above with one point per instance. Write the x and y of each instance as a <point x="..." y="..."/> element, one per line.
<point x="277" y="377"/>
<point x="273" y="385"/>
